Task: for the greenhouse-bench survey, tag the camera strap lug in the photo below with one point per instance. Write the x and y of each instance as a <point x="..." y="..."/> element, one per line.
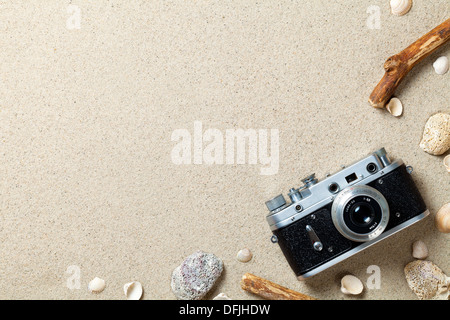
<point x="274" y="239"/>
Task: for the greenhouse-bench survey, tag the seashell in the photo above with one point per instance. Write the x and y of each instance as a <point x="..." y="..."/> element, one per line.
<point x="196" y="275"/>
<point x="351" y="285"/>
<point x="395" y="107"/>
<point x="400" y="7"/>
<point x="442" y="218"/>
<point x="221" y="296"/>
<point x="447" y="162"/>
<point x="133" y="290"/>
<point x="419" y="250"/>
<point x="244" y="255"/>
<point x="96" y="285"/>
<point x="441" y="65"/>
<point x="436" y="134"/>
<point x="426" y="280"/>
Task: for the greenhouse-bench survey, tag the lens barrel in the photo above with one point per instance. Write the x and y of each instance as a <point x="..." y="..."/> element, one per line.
<point x="360" y="213"/>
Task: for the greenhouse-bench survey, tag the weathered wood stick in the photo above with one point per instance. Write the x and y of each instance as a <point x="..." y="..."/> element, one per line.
<point x="398" y="66"/>
<point x="269" y="290"/>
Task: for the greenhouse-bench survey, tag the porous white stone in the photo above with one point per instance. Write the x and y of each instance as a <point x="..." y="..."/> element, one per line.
<point x="196" y="275"/>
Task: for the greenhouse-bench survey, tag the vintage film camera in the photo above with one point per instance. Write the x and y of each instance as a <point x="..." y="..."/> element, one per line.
<point x="331" y="220"/>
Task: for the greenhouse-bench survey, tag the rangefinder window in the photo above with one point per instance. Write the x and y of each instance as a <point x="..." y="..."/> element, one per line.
<point x="351" y="178"/>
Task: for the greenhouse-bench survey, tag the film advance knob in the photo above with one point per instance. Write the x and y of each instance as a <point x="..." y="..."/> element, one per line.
<point x="276" y="203"/>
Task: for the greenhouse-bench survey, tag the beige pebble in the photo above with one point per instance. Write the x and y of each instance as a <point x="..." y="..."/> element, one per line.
<point x="419" y="250"/>
<point x="244" y="255"/>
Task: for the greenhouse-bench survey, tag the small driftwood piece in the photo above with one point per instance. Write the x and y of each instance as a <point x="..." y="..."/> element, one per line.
<point x="269" y="290"/>
<point x="398" y="66"/>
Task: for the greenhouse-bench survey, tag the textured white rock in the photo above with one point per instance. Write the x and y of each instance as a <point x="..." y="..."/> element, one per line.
<point x="427" y="280"/>
<point x="436" y="135"/>
<point x="196" y="275"/>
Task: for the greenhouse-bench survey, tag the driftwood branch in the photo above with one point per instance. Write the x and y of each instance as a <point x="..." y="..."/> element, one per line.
<point x="269" y="290"/>
<point x="398" y="66"/>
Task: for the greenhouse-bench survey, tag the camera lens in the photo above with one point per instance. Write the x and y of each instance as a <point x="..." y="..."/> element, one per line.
<point x="360" y="213"/>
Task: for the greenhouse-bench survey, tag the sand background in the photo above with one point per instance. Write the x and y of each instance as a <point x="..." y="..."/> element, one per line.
<point x="86" y="118"/>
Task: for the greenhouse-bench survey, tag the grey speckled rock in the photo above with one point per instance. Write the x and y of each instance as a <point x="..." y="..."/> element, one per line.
<point x="196" y="276"/>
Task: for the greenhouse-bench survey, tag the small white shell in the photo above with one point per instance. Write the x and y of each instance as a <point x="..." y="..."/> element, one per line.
<point x="133" y="290"/>
<point x="442" y="218"/>
<point x="351" y="285"/>
<point x="96" y="285"/>
<point x="419" y="250"/>
<point x="426" y="280"/>
<point x="441" y="65"/>
<point x="244" y="255"/>
<point x="447" y="162"/>
<point x="400" y="7"/>
<point x="221" y="296"/>
<point x="395" y="107"/>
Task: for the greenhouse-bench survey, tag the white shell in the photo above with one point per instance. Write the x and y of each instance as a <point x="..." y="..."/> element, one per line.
<point x="133" y="290"/>
<point x="420" y="250"/>
<point x="426" y="280"/>
<point x="441" y="65"/>
<point x="400" y="7"/>
<point x="351" y="285"/>
<point x="436" y="134"/>
<point x="447" y="162"/>
<point x="395" y="107"/>
<point x="221" y="296"/>
<point x="96" y="285"/>
<point x="244" y="255"/>
<point x="442" y="218"/>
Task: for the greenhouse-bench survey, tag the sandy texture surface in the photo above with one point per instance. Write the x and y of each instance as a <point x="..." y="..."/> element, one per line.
<point x="88" y="108"/>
